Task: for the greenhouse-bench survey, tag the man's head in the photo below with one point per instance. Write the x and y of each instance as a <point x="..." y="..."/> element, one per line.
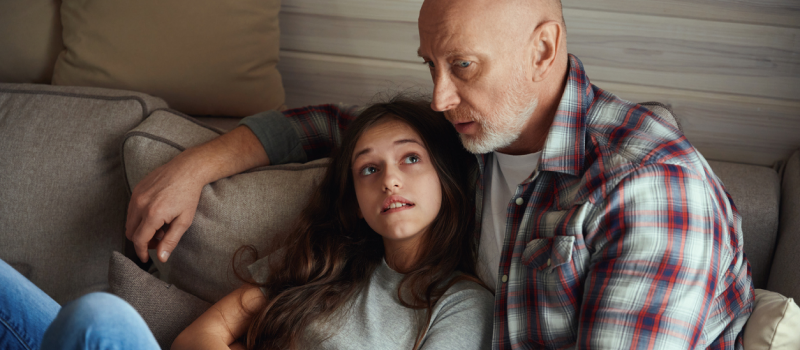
<point x="498" y="68"/>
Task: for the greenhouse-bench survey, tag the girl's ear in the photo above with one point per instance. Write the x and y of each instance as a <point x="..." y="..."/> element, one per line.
<point x="360" y="216"/>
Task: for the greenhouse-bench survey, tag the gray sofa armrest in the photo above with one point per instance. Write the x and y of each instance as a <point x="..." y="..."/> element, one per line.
<point x="785" y="275"/>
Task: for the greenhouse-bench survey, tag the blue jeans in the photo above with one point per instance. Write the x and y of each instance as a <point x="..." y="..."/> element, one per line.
<point x="30" y="319"/>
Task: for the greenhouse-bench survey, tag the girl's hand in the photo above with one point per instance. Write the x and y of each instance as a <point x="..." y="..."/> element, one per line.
<point x="224" y="322"/>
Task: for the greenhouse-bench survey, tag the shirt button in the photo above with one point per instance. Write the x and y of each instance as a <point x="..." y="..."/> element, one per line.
<point x="505" y="278"/>
<point x="519" y="201"/>
<point x="548" y="262"/>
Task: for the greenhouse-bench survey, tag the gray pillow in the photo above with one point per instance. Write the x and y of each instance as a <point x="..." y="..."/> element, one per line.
<point x="63" y="196"/>
<point x="250" y="208"/>
<point x="166" y="309"/>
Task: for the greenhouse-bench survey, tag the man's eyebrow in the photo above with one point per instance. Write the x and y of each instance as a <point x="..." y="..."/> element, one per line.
<point x="450" y="53"/>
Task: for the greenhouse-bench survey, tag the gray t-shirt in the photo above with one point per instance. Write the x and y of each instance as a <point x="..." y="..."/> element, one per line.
<point x="375" y="319"/>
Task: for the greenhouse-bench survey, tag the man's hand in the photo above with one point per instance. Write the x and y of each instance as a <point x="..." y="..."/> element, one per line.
<point x="162" y="208"/>
<point x="163" y="204"/>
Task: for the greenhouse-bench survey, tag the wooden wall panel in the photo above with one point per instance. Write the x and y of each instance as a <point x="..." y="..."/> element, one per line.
<point x="721" y="126"/>
<point x="770" y="12"/>
<point x="318" y="79"/>
<point x="741" y="129"/>
<point x="729" y="68"/>
<point x="677" y="53"/>
<point x="385" y="10"/>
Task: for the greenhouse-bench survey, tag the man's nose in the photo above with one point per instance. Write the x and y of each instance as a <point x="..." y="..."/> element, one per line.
<point x="445" y="96"/>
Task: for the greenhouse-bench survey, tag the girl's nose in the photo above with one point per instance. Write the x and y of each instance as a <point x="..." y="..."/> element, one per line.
<point x="391" y="181"/>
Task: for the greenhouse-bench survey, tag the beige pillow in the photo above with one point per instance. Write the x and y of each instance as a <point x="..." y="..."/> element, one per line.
<point x="30" y="40"/>
<point x="774" y="324"/>
<point x="204" y="57"/>
<point x="249" y="208"/>
<point x="166" y="309"/>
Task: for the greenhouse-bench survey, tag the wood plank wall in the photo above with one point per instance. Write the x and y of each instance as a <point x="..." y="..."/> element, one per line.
<point x="730" y="69"/>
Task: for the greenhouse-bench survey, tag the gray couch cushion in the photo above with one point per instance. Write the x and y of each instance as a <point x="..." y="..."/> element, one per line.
<point x="246" y="209"/>
<point x="785" y="276"/>
<point x="756" y="192"/>
<point x="166" y="309"/>
<point x="62" y="191"/>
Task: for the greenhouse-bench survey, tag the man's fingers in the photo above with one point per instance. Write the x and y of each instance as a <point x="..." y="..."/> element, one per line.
<point x="174" y="233"/>
<point x="132" y="222"/>
<point x="142" y="237"/>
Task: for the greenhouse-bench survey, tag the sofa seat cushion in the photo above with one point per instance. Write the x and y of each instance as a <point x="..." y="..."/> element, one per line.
<point x="63" y="196"/>
<point x="253" y="208"/>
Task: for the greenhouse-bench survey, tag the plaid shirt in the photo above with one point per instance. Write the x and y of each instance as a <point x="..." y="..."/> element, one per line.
<point x="622" y="237"/>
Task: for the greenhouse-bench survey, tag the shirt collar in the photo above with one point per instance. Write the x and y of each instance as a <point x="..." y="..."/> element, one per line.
<point x="564" y="147"/>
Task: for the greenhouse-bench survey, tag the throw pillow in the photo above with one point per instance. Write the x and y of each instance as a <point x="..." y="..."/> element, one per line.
<point x="166" y="309"/>
<point x="246" y="209"/>
<point x="774" y="323"/>
<point x="203" y="57"/>
<point x="30" y="40"/>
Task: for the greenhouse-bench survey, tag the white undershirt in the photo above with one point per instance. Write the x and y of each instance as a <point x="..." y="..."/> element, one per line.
<point x="507" y="172"/>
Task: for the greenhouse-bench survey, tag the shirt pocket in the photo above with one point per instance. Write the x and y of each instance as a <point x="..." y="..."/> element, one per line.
<point x="546" y="254"/>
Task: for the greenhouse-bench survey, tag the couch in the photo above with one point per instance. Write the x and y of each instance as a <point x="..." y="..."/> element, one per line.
<point x="71" y="152"/>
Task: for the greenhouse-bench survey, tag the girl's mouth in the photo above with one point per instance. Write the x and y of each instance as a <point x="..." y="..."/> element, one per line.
<point x="396" y="203"/>
<point x="396" y="206"/>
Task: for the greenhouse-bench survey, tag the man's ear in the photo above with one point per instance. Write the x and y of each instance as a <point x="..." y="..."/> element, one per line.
<point x="546" y="45"/>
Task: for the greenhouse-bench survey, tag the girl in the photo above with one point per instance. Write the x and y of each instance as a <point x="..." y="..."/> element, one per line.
<point x="382" y="258"/>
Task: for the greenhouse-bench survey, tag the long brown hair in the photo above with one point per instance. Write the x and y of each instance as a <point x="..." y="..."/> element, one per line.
<point x="332" y="253"/>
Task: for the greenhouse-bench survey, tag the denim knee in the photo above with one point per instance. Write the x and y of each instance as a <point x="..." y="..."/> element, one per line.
<point x="98" y="321"/>
<point x="25" y="311"/>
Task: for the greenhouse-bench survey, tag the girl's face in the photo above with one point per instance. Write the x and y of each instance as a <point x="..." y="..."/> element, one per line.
<point x="396" y="185"/>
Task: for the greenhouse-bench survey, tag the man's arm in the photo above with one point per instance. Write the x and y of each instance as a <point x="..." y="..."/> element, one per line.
<point x="163" y="204"/>
<point x="169" y="195"/>
<point x="317" y="130"/>
<point x="667" y="269"/>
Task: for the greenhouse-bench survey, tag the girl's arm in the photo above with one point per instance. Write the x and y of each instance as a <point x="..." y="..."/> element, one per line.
<point x="224" y="322"/>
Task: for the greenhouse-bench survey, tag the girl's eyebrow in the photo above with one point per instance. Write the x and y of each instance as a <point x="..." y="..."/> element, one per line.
<point x="398" y="142"/>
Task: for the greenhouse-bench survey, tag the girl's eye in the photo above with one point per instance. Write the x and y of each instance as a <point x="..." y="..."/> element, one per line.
<point x="411" y="159"/>
<point x="368" y="170"/>
<point x="462" y="64"/>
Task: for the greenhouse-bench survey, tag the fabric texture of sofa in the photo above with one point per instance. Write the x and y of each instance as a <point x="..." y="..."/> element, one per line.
<point x="70" y="156"/>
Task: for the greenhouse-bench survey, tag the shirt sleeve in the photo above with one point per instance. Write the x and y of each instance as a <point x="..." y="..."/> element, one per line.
<point x="302" y="134"/>
<point x="667" y="268"/>
<point x="464" y="321"/>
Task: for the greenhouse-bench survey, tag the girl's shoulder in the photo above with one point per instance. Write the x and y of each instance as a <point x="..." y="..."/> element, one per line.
<point x="467" y="293"/>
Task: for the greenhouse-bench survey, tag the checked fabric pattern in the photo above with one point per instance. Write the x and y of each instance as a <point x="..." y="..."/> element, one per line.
<point x="623" y="237"/>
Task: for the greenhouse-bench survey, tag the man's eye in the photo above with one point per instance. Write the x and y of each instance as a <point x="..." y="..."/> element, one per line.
<point x="429" y="64"/>
<point x="462" y="64"/>
<point x="368" y="170"/>
<point x="411" y="159"/>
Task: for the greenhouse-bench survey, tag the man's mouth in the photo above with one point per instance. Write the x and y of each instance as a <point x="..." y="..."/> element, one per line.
<point x="465" y="127"/>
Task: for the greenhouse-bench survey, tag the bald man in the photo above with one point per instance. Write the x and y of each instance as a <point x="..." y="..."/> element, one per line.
<point x="600" y="225"/>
